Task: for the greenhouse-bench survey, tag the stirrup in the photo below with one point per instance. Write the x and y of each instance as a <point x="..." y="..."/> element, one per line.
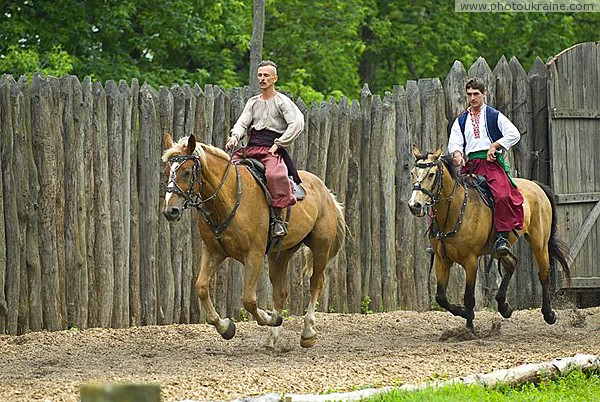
<point x="279" y="228"/>
<point x="502" y="248"/>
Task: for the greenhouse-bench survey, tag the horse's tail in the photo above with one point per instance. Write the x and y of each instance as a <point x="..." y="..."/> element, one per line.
<point x="557" y="249"/>
<point x="341" y="226"/>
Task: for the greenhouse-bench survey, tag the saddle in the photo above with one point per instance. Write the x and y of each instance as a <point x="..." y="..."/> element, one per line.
<point x="257" y="169"/>
<point x="479" y="183"/>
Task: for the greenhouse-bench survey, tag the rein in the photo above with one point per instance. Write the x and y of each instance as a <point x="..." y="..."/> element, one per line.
<point x="195" y="199"/>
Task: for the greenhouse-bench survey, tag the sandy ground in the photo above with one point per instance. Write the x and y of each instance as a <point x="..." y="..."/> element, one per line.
<point x="352" y="351"/>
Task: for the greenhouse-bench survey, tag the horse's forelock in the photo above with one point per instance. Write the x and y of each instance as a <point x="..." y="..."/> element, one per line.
<point x="179" y="147"/>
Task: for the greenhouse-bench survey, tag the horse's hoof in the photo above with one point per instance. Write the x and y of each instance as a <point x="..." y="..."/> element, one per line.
<point x="230" y="333"/>
<point x="278" y="321"/>
<point x="550" y="317"/>
<point x="506" y="312"/>
<point x="308" y="342"/>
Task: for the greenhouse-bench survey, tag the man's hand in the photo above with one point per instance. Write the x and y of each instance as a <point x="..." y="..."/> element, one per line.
<point x="458" y="159"/>
<point x="273" y="149"/>
<point x="232" y="142"/>
<point x="491" y="153"/>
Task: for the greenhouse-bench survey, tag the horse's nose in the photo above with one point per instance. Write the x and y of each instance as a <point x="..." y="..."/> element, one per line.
<point x="172" y="213"/>
<point x="416" y="208"/>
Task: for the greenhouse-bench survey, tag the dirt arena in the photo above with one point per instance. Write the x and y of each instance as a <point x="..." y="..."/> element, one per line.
<point x="193" y="362"/>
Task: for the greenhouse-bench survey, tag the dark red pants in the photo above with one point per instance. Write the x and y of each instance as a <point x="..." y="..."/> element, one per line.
<point x="508" y="200"/>
<point x="278" y="183"/>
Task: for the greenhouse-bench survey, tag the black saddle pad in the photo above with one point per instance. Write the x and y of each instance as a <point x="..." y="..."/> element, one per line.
<point x="479" y="183"/>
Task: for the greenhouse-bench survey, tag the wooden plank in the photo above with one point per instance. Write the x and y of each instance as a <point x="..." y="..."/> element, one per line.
<point x="421" y="258"/>
<point x="563" y="113"/>
<point x="118" y="191"/>
<point x="148" y="159"/>
<point x="187" y="252"/>
<point x="583" y="232"/>
<point x="577" y="198"/>
<point x="44" y="146"/>
<point x="387" y="170"/>
<point x="134" y="211"/>
<point x="525" y="288"/>
<point x="76" y="269"/>
<point x="166" y="231"/>
<point x="365" y="192"/>
<point x="59" y="206"/>
<point x="343" y="143"/>
<point x="582" y="283"/>
<point x="10" y="162"/>
<point x="103" y="250"/>
<point x="32" y="251"/>
<point x="352" y="211"/>
<point x="337" y="300"/>
<point x="375" y="199"/>
<point x="538" y="82"/>
<point x="90" y="215"/>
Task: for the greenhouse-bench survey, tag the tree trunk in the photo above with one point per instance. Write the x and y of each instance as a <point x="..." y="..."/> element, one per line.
<point x="256" y="43"/>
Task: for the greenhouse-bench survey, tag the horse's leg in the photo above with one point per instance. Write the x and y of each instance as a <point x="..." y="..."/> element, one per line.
<point x="442" y="272"/>
<point x="278" y="275"/>
<point x="543" y="260"/>
<point x="252" y="266"/>
<point x="470" y="279"/>
<point x="318" y="262"/>
<point x="209" y="264"/>
<point x="504" y="308"/>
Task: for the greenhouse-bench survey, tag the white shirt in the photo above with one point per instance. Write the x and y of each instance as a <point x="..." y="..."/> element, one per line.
<point x="510" y="134"/>
<point x="278" y="114"/>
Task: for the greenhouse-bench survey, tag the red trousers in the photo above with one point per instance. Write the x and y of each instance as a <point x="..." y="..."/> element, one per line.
<point x="276" y="171"/>
<point x="508" y="200"/>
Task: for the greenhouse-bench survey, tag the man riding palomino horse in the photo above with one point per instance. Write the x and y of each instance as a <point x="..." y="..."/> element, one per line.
<point x="483" y="134"/>
<point x="272" y="122"/>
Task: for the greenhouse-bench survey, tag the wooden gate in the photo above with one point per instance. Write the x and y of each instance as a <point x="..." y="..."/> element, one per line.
<point x="574" y="124"/>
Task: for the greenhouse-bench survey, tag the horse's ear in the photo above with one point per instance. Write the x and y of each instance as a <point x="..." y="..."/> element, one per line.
<point x="168" y="141"/>
<point x="416" y="152"/>
<point x="191" y="145"/>
<point x="438" y="153"/>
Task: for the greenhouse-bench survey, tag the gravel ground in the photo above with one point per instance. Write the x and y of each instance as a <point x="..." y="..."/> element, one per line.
<point x="352" y="351"/>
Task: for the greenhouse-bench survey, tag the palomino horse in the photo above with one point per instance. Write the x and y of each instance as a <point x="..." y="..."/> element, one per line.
<point x="234" y="222"/>
<point x="462" y="230"/>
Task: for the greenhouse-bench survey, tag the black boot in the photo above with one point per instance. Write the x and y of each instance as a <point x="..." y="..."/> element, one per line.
<point x="502" y="245"/>
<point x="279" y="226"/>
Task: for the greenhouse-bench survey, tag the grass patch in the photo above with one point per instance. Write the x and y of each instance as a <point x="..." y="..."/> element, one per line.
<point x="577" y="386"/>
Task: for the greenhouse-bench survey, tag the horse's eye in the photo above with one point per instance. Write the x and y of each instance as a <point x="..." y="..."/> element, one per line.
<point x="431" y="174"/>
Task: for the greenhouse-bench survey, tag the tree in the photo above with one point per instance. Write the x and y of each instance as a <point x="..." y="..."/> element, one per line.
<point x="256" y="43"/>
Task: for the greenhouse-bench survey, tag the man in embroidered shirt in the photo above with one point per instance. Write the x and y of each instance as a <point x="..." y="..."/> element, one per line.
<point x="483" y="134"/>
<point x="272" y="122"/>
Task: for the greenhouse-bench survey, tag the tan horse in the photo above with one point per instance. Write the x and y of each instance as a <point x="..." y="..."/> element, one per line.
<point x="234" y="222"/>
<point x="462" y="230"/>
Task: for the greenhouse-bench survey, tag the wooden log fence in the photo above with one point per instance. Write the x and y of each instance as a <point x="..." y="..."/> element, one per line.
<point x="84" y="242"/>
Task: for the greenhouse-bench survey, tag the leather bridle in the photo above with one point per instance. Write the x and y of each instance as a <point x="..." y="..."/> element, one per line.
<point x="195" y="199"/>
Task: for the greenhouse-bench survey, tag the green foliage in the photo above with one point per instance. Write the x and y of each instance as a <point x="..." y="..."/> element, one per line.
<point x="328" y="48"/>
<point x="577" y="386"/>
<point x="19" y="62"/>
<point x="365" y="305"/>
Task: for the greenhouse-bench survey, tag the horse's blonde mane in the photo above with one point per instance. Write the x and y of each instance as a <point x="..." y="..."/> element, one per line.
<point x="201" y="149"/>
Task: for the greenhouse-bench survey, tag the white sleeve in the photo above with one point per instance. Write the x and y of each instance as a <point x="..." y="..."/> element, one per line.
<point x="510" y="133"/>
<point x="456" y="140"/>
<point x="244" y="121"/>
<point x="294" y="119"/>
